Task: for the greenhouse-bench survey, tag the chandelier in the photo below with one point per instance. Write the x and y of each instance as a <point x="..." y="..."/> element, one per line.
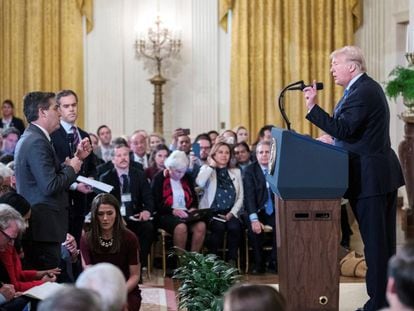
<point x="159" y="44"/>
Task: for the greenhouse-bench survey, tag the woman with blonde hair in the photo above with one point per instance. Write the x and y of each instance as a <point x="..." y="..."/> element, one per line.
<point x="242" y="134"/>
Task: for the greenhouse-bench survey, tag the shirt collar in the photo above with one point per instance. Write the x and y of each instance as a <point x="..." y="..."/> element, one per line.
<point x="354" y="79"/>
<point x="67" y="126"/>
<point x="43" y="130"/>
<point x="122" y="172"/>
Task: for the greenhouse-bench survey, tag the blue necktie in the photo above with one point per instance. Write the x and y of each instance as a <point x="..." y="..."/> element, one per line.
<point x="339" y="106"/>
<point x="125" y="183"/>
<point x="269" y="203"/>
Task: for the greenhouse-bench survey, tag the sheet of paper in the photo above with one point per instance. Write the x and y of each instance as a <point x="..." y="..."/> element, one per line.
<point x="95" y="184"/>
<point x="43" y="291"/>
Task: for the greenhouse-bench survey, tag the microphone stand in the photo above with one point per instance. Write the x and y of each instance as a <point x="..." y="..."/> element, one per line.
<point x="282" y="104"/>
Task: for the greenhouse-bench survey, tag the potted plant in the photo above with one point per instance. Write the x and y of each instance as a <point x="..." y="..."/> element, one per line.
<point x="204" y="279"/>
<point x="402" y="84"/>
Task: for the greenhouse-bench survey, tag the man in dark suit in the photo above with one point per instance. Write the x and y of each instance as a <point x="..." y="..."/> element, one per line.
<point x="133" y="191"/>
<point x="43" y="181"/>
<point x="360" y="125"/>
<point x="259" y="205"/>
<point x="65" y="140"/>
<point x="139" y="148"/>
<point x="8" y="119"/>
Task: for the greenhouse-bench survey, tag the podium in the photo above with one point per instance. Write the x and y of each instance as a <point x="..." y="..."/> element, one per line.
<point x="309" y="179"/>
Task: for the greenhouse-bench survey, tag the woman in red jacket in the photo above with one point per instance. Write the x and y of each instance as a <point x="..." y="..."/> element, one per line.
<point x="21" y="279"/>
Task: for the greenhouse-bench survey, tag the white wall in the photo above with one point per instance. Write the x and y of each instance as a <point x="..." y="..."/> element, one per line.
<point x="118" y="92"/>
<point x="197" y="94"/>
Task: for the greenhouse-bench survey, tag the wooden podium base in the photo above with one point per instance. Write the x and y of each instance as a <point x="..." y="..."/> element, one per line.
<point x="307" y="234"/>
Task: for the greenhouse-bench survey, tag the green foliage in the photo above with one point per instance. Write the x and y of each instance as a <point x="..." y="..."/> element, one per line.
<point x="204" y="279"/>
<point x="401" y="84"/>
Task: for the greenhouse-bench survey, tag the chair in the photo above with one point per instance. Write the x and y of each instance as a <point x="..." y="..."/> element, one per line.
<point x="163" y="235"/>
<point x="224" y="249"/>
<point x="267" y="229"/>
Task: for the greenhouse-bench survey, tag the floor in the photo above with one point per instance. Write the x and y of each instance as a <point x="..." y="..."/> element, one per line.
<point x="160" y="293"/>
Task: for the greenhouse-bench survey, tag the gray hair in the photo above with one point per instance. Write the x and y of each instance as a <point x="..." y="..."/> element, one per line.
<point x="353" y="54"/>
<point x="109" y="282"/>
<point x="263" y="143"/>
<point x="177" y="160"/>
<point x="5" y="171"/>
<point x="70" y="298"/>
<point x="9" y="214"/>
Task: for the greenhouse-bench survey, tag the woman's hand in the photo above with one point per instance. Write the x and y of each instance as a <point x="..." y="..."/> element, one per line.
<point x="179" y="213"/>
<point x="49" y="278"/>
<point x="49" y="273"/>
<point x="229" y="216"/>
<point x="211" y="162"/>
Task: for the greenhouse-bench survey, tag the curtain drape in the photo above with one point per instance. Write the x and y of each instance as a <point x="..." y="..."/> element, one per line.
<point x="276" y="42"/>
<point x="41" y="47"/>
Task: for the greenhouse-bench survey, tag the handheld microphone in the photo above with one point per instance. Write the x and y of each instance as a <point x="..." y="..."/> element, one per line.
<point x="300" y="86"/>
<point x="71" y="142"/>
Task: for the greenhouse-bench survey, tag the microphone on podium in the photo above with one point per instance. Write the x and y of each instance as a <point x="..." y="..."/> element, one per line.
<point x="300" y="85"/>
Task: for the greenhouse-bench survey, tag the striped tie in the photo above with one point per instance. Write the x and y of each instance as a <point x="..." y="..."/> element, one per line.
<point x="76" y="138"/>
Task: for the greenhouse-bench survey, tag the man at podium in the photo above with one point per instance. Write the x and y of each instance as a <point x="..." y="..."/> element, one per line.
<point x="360" y="125"/>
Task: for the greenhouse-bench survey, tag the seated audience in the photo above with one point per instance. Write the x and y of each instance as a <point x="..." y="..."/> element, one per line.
<point x="223" y="194"/>
<point x="213" y="135"/>
<point x="71" y="298"/>
<point x="10" y="137"/>
<point x="11" y="226"/>
<point x="400" y="287"/>
<point x="109" y="282"/>
<point x="248" y="297"/>
<point x="105" y="148"/>
<point x="260" y="208"/>
<point x="138" y="144"/>
<point x="175" y="197"/>
<point x="10" y="223"/>
<point x="110" y="241"/>
<point x="242" y="134"/>
<point x="155" y="139"/>
<point x="156" y="161"/>
<point x="228" y="136"/>
<point x="8" y="119"/>
<point x="242" y="155"/>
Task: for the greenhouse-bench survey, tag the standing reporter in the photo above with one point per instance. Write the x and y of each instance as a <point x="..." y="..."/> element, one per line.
<point x="360" y="125"/>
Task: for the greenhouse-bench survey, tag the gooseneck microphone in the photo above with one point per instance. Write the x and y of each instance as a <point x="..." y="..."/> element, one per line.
<point x="299" y="85"/>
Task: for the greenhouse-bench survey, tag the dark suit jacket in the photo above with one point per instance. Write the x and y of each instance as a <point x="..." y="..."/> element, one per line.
<point x="43" y="182"/>
<point x="107" y="166"/>
<point x="62" y="146"/>
<point x="17" y="123"/>
<point x="141" y="195"/>
<point x="360" y="125"/>
<point x="255" y="190"/>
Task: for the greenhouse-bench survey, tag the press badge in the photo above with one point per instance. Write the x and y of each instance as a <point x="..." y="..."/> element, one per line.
<point x="125" y="198"/>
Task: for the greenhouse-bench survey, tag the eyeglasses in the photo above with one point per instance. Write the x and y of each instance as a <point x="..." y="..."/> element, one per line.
<point x="8" y="237"/>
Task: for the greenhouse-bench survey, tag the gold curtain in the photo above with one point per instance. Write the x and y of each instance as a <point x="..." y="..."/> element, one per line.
<point x="276" y="42"/>
<point x="42" y="47"/>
